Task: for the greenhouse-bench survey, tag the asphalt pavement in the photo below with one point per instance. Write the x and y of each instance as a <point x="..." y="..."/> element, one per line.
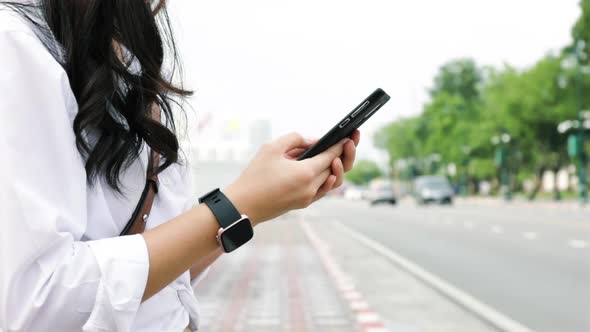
<point x="528" y="262"/>
<point x="301" y="275"/>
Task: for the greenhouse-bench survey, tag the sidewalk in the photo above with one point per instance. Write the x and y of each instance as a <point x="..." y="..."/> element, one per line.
<point x="300" y="274"/>
<point x="276" y="283"/>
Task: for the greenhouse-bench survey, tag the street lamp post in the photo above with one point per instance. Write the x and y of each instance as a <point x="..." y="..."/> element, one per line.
<point x="464" y="182"/>
<point x="575" y="149"/>
<point x="432" y="163"/>
<point x="583" y="182"/>
<point x="411" y="168"/>
<point x="576" y="140"/>
<point x="501" y="142"/>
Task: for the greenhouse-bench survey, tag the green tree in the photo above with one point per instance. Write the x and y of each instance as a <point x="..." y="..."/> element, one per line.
<point x="460" y="78"/>
<point x="528" y="105"/>
<point x="465" y="111"/>
<point x="363" y="172"/>
<point x="450" y="120"/>
<point x="581" y="30"/>
<point x="400" y="139"/>
<point x="449" y="125"/>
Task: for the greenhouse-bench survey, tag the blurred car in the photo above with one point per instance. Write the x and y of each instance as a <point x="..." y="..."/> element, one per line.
<point x="433" y="189"/>
<point x="381" y="191"/>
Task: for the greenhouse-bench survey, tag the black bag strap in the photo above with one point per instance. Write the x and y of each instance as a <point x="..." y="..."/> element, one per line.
<point x="136" y="224"/>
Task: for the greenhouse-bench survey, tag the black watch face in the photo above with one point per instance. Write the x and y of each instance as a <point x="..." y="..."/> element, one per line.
<point x="236" y="235"/>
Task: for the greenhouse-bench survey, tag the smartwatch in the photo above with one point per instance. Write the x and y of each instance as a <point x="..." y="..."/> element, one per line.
<point x="235" y="228"/>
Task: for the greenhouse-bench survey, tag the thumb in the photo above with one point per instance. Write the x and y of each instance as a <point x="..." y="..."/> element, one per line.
<point x="324" y="159"/>
<point x="290" y="141"/>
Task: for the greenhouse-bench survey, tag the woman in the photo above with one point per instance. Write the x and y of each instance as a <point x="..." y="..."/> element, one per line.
<point x="82" y="92"/>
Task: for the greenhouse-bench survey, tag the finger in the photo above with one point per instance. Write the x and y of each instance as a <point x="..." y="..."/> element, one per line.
<point x="338" y="172"/>
<point x="295" y="153"/>
<point x="324" y="159"/>
<point x="326" y="187"/>
<point x="356" y="137"/>
<point x="290" y="141"/>
<point x="312" y="141"/>
<point x="348" y="156"/>
<point x="321" y="178"/>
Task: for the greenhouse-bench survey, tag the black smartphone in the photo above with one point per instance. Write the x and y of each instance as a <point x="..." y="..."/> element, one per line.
<point x="346" y="126"/>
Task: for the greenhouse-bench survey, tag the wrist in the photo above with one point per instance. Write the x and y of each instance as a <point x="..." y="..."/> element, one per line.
<point x="235" y="227"/>
<point x="242" y="202"/>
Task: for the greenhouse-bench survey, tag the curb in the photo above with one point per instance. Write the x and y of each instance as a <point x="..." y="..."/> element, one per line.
<point x="471" y="304"/>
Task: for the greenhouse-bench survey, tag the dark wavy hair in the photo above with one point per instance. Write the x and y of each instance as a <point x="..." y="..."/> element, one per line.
<point x="113" y="52"/>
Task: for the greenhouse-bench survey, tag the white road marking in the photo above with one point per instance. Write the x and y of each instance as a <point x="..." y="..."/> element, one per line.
<point x="487" y="313"/>
<point x="577" y="244"/>
<point x="497" y="229"/>
<point x="530" y="235"/>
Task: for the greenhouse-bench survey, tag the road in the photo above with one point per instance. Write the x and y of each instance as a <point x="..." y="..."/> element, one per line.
<point x="528" y="262"/>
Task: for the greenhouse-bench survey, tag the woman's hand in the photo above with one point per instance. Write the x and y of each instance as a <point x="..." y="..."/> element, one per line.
<point x="275" y="182"/>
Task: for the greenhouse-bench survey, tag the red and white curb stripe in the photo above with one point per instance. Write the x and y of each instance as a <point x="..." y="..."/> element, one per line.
<point x="368" y="320"/>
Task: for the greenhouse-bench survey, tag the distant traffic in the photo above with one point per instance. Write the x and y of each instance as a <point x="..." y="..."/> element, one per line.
<point x="426" y="189"/>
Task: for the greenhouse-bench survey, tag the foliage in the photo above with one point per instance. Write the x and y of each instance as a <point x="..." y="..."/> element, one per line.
<point x="581" y="30"/>
<point x="399" y="138"/>
<point x="363" y="172"/>
<point x="528" y="105"/>
<point x="470" y="104"/>
<point x="482" y="168"/>
<point x="447" y="127"/>
<point x="458" y="78"/>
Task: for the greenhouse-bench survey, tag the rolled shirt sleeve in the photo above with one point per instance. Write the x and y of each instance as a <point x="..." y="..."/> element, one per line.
<point x="51" y="280"/>
<point x="124" y="266"/>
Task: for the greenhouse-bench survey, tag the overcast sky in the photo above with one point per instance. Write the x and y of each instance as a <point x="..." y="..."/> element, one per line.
<point x="304" y="64"/>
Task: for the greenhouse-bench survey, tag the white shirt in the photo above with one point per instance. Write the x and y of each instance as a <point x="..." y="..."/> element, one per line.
<point x="63" y="266"/>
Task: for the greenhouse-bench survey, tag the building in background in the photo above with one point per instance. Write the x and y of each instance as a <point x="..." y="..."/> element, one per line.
<point x="260" y="133"/>
<point x="222" y="146"/>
